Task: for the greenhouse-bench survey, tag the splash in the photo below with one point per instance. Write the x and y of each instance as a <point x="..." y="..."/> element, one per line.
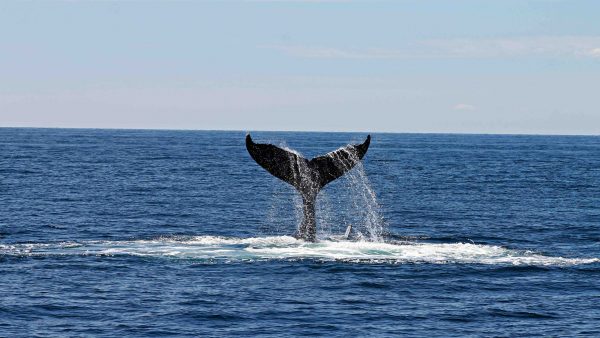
<point x="365" y="202"/>
<point x="365" y="210"/>
<point x="232" y="249"/>
<point x="353" y="202"/>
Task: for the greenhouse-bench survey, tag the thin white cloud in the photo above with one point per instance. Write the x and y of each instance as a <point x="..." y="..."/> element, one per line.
<point x="595" y="53"/>
<point x="553" y="46"/>
<point x="543" y="46"/>
<point x="464" y="107"/>
<point x="312" y="52"/>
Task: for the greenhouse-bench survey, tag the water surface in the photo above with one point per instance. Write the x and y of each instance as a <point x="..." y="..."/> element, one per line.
<point x="141" y="233"/>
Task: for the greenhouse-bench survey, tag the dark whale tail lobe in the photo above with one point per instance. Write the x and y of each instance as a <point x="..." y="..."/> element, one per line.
<point x="308" y="177"/>
<point x="302" y="174"/>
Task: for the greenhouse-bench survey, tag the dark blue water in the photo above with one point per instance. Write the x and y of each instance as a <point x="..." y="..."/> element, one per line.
<point x="159" y="233"/>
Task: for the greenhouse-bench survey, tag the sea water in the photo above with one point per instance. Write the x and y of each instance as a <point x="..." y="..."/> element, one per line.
<point x="159" y="233"/>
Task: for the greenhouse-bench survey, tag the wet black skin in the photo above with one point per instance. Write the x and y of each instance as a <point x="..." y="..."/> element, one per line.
<point x="308" y="177"/>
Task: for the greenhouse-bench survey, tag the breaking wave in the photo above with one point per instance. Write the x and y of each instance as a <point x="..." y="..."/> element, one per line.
<point x="231" y="249"/>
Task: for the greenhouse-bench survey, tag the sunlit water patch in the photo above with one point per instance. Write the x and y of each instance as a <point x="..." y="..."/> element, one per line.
<point x="288" y="248"/>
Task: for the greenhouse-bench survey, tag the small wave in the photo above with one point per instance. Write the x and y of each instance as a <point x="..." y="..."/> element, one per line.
<point x="231" y="249"/>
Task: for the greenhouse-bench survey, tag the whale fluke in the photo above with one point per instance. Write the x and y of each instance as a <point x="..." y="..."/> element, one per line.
<point x="308" y="177"/>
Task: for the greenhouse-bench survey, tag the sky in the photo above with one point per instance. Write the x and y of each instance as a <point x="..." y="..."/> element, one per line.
<point x="485" y="66"/>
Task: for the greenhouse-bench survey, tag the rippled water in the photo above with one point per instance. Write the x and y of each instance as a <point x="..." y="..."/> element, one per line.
<point x="122" y="232"/>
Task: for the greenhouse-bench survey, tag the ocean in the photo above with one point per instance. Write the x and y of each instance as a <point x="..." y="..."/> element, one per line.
<point x="109" y="233"/>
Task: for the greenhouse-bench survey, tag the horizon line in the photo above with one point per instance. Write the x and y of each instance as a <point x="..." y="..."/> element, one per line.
<point x="303" y="131"/>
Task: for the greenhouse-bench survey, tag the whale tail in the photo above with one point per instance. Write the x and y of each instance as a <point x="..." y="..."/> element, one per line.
<point x="307" y="176"/>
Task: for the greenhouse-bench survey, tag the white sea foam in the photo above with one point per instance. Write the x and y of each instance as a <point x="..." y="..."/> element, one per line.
<point x="288" y="248"/>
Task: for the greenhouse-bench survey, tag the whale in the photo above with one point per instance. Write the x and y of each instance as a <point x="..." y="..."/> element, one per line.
<point x="308" y="177"/>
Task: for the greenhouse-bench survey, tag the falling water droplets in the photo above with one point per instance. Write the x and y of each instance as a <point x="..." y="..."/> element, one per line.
<point x="363" y="199"/>
<point x="347" y="200"/>
<point x="365" y="211"/>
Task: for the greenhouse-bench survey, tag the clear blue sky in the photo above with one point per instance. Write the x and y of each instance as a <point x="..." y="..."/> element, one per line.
<point x="400" y="66"/>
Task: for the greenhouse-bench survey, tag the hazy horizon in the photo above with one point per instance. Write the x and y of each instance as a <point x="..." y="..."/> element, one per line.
<point x="297" y="131"/>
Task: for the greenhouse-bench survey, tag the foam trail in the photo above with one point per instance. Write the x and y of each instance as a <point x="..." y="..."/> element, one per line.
<point x="211" y="248"/>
